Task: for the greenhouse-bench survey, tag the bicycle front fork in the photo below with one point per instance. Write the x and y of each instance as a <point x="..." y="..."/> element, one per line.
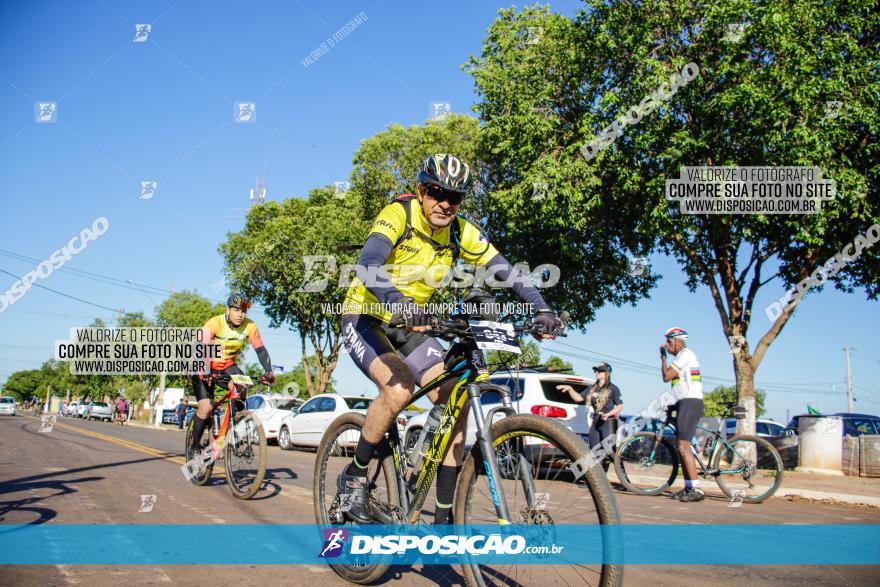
<point x="490" y="461"/>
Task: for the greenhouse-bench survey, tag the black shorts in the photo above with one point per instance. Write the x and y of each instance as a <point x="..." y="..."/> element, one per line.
<point x="366" y="338"/>
<point x="689" y="411"/>
<point x="205" y="391"/>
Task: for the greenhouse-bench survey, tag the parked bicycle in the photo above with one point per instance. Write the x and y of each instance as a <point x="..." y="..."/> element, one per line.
<point x="242" y="445"/>
<point x="516" y="472"/>
<point x="745" y="467"/>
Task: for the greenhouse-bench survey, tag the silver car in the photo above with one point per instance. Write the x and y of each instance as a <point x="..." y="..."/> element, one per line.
<point x="7" y="406"/>
<point x="99" y="411"/>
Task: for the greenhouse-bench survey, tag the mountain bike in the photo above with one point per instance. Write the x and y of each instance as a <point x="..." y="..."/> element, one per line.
<point x="242" y="445"/>
<point x="517" y="472"/>
<point x="745" y="467"/>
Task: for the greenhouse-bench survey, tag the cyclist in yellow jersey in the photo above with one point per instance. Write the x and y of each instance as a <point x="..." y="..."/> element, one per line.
<point x="235" y="330"/>
<point x="419" y="237"/>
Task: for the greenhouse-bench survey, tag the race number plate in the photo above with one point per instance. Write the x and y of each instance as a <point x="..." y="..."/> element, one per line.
<point x="494" y="336"/>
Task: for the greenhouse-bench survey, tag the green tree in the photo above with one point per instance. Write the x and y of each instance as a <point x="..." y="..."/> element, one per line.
<point x="183" y="309"/>
<point x="23" y="384"/>
<point x="715" y="400"/>
<point x="530" y="357"/>
<point x="280" y="258"/>
<point x="387" y="163"/>
<point x="292" y="382"/>
<point x="761" y="101"/>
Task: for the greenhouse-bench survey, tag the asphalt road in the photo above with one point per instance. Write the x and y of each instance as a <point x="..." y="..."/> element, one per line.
<point x="94" y="472"/>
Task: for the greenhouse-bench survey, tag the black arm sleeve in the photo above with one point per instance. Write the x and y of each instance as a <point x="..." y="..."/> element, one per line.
<point x="263" y="356"/>
<point x="522" y="284"/>
<point x="370" y="271"/>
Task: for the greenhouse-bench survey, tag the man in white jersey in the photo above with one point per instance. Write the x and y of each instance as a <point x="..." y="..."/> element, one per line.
<point x="687" y="387"/>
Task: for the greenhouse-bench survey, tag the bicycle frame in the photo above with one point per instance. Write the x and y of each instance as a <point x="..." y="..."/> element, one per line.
<point x="229" y="397"/>
<point x="715" y="436"/>
<point x="472" y="377"/>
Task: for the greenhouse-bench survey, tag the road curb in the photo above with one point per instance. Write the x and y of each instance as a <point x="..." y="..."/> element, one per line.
<point x="848" y="498"/>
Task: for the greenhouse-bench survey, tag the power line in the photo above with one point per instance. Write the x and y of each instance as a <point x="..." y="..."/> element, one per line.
<point x="55" y="291"/>
<point x="642" y="368"/>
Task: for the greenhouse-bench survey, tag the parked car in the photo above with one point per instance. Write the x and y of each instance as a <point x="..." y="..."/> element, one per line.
<point x="306" y="427"/>
<point x="764" y="428"/>
<point x="70" y="409"/>
<point x="533" y="392"/>
<point x="403" y="418"/>
<point x="7" y="406"/>
<point x="853" y="424"/>
<point x="271" y="409"/>
<point x="99" y="411"/>
<point x="169" y="416"/>
<point x="82" y="410"/>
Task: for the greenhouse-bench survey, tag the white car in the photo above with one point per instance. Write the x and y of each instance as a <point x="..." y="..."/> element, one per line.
<point x="70" y="409"/>
<point x="7" y="406"/>
<point x="271" y="409"/>
<point x="98" y="411"/>
<point x="306" y="427"/>
<point x="82" y="410"/>
<point x="534" y="392"/>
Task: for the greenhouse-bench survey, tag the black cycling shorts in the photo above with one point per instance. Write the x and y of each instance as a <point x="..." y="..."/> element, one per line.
<point x="366" y="338"/>
<point x="689" y="410"/>
<point x="205" y="391"/>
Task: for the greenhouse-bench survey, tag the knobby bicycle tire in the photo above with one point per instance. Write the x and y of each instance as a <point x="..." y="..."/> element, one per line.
<point x="257" y="482"/>
<point x="599" y="490"/>
<point x="360" y="574"/>
<point x="620" y="465"/>
<point x="771" y="451"/>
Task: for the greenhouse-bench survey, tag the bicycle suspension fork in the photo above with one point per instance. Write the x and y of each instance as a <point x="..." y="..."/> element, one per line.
<point x="484" y="438"/>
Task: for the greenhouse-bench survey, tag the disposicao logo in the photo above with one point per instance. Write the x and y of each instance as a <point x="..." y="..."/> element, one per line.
<point x="334" y="540"/>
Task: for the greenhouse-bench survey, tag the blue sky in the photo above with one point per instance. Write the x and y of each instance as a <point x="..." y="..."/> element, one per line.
<point x="162" y="110"/>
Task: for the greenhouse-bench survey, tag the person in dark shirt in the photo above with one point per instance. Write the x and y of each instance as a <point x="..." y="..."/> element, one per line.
<point x="604" y="398"/>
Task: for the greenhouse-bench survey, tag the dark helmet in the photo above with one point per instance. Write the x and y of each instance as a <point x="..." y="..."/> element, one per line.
<point x="447" y="172"/>
<point x="239" y="301"/>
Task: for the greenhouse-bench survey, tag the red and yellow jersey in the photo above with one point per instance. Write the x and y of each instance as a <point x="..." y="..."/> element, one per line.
<point x="234" y="339"/>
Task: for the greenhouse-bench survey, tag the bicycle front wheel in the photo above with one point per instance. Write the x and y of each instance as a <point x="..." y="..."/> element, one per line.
<point x="245" y="454"/>
<point x="334" y="454"/>
<point x="749" y="468"/>
<point x="645" y="467"/>
<point x="534" y="457"/>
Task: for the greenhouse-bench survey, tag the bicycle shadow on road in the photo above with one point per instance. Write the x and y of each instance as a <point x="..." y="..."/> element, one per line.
<point x="52" y="481"/>
<point x="62" y="487"/>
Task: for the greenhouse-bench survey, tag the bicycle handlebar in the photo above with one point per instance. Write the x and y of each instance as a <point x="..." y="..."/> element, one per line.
<point x="460" y="327"/>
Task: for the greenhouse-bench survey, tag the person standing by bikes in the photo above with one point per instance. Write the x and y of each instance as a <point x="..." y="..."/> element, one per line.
<point x="234" y="330"/>
<point x="121" y="410"/>
<point x="422" y="230"/>
<point x="604" y="398"/>
<point x="687" y="387"/>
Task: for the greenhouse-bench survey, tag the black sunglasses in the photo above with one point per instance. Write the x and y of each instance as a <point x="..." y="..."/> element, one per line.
<point x="441" y="195"/>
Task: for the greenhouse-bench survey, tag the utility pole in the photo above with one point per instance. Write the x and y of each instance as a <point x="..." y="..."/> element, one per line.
<point x="849" y="397"/>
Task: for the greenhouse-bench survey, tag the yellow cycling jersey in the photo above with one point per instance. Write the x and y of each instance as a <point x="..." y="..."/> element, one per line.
<point x="418" y="268"/>
<point x="234" y="339"/>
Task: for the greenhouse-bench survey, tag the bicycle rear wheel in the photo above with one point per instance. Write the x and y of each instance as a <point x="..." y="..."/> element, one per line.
<point x="750" y="468"/>
<point x="245" y="454"/>
<point x="644" y="469"/>
<point x="334" y="454"/>
<point x="546" y="450"/>
<point x="205" y="476"/>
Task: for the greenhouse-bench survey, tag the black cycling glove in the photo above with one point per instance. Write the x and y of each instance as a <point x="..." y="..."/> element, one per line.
<point x="411" y="314"/>
<point x="548" y="321"/>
